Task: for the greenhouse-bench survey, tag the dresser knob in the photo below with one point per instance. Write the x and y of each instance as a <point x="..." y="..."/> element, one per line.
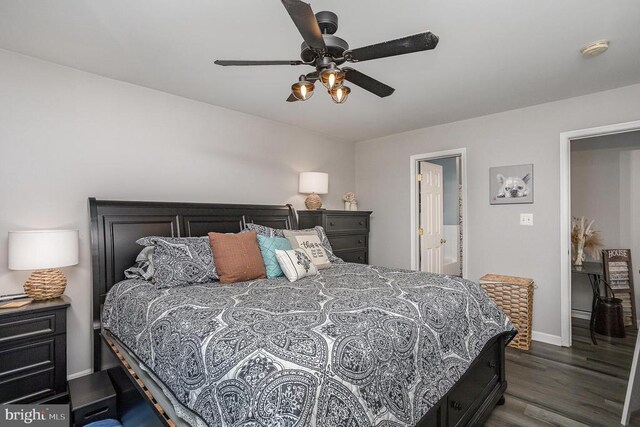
<point x="331" y="224"/>
<point x="360" y="223"/>
<point x="360" y="241"/>
<point x="492" y="364"/>
<point x="360" y="258"/>
<point x="456" y="405"/>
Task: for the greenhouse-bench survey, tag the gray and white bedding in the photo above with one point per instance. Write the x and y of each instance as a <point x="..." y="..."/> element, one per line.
<point x="355" y="345"/>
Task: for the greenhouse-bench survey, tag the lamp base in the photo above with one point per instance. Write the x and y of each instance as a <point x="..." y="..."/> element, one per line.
<point x="313" y="202"/>
<point x="45" y="284"/>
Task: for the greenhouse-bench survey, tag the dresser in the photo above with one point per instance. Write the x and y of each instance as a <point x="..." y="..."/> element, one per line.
<point x="33" y="353"/>
<point x="348" y="231"/>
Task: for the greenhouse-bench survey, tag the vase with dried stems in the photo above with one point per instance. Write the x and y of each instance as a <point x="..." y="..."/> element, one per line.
<point x="584" y="240"/>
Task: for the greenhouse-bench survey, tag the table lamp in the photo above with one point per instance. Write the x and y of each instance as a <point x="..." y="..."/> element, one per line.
<point x="43" y="251"/>
<point x="313" y="183"/>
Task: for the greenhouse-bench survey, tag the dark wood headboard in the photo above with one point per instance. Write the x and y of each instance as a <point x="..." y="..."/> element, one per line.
<point x="116" y="225"/>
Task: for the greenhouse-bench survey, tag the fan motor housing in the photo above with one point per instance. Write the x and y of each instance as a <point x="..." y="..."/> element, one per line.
<point x="328" y="23"/>
<point x="335" y="48"/>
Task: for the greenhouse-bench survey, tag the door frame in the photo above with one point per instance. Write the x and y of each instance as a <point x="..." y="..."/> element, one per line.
<point x="565" y="214"/>
<point x="413" y="223"/>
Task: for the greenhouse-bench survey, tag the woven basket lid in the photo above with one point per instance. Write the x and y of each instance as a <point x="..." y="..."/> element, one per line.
<point x="513" y="280"/>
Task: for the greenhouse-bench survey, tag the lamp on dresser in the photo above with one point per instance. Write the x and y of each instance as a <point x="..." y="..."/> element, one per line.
<point x="44" y="251"/>
<point x="313" y="183"/>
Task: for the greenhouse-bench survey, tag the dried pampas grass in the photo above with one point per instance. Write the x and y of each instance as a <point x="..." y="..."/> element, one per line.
<point x="584" y="239"/>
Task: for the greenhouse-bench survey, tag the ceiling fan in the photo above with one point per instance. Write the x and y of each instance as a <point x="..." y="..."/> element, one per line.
<point x="325" y="52"/>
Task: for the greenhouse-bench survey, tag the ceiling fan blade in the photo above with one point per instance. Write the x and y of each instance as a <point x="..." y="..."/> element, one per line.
<point x="306" y="22"/>
<point x="409" y="44"/>
<point x="225" y="63"/>
<point x="367" y="83"/>
<point x="292" y="98"/>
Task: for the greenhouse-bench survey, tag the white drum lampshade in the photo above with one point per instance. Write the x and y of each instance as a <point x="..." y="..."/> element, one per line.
<point x="43" y="251"/>
<point x="313" y="183"/>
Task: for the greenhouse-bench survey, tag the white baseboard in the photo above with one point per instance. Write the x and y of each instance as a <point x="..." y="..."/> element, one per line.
<point x="79" y="374"/>
<point x="581" y="314"/>
<point x="546" y="338"/>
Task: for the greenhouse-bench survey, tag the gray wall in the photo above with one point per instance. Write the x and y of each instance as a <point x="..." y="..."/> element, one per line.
<point x="450" y="189"/>
<point x="602" y="176"/>
<point x="66" y="135"/>
<point x="496" y="242"/>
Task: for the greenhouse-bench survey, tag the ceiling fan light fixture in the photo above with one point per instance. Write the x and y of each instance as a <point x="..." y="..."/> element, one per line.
<point x="331" y="76"/>
<point x="324" y="51"/>
<point x="303" y="89"/>
<point x="339" y="94"/>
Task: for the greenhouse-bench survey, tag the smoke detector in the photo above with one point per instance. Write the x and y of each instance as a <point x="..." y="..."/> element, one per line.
<point x="595" y="48"/>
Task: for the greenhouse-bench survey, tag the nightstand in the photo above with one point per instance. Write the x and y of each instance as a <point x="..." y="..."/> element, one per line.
<point x="348" y="231"/>
<point x="93" y="398"/>
<point x="33" y="352"/>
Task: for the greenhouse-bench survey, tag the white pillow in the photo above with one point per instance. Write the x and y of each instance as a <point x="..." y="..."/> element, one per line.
<point x="311" y="244"/>
<point x="295" y="264"/>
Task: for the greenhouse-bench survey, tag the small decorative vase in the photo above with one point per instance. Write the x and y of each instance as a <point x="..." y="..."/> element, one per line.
<point x="579" y="254"/>
<point x="347" y="206"/>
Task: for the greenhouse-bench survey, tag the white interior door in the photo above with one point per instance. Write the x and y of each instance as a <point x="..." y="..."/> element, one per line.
<point x="431" y="217"/>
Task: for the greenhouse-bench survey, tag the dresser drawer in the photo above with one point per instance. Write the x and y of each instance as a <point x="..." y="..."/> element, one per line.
<point x="357" y="256"/>
<point x="29" y="387"/>
<point x="466" y="397"/>
<point x="339" y="242"/>
<point x="44" y="323"/>
<point x="351" y="223"/>
<point x="29" y="356"/>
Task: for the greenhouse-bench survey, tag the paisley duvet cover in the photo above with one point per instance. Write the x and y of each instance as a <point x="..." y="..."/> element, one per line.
<point x="355" y="345"/>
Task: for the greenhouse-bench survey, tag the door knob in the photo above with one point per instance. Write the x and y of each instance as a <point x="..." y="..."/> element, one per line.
<point x="443" y="241"/>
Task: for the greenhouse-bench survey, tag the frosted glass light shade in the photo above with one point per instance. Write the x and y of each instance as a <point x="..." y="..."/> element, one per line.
<point x="313" y="182"/>
<point x="42" y="249"/>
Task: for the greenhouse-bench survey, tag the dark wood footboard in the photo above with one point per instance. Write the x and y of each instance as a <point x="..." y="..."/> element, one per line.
<point x="471" y="400"/>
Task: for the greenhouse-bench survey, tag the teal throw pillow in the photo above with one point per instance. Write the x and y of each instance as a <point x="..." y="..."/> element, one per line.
<point x="268" y="246"/>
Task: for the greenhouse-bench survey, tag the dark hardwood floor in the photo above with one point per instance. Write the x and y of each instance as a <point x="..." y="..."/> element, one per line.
<point x="577" y="386"/>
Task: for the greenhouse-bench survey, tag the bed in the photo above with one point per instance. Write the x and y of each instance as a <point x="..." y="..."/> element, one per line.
<point x="356" y="345"/>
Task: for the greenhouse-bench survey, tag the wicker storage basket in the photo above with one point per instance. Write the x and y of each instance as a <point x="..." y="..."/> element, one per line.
<point x="514" y="295"/>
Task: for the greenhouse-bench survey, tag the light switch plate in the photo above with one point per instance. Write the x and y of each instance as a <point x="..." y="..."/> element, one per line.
<point x="526" y="219"/>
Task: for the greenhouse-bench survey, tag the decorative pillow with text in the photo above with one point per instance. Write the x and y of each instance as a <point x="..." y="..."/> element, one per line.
<point x="309" y="241"/>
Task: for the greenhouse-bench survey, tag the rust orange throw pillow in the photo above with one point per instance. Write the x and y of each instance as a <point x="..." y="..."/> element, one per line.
<point x="237" y="257"/>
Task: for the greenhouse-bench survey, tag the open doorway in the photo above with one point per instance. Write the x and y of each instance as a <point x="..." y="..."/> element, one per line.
<point x="592" y="138"/>
<point x="605" y="200"/>
<point x="438" y="196"/>
<point x="605" y="191"/>
<point x="600" y="176"/>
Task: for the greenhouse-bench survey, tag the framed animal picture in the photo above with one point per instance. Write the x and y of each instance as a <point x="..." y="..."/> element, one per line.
<point x="511" y="184"/>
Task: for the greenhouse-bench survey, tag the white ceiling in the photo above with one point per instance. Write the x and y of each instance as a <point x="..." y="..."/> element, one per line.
<point x="494" y="55"/>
